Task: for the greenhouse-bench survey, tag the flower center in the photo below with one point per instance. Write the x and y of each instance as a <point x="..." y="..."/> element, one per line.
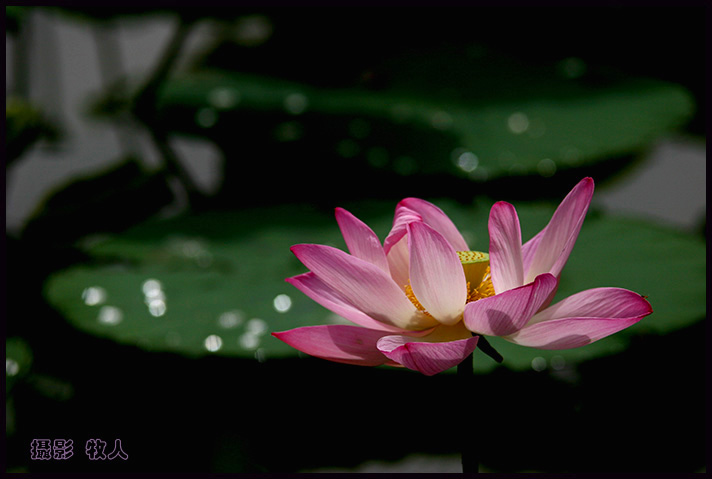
<point x="484" y="290"/>
<point x="475" y="264"/>
<point x="477" y="272"/>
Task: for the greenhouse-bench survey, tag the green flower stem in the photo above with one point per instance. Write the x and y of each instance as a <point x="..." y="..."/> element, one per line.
<point x="469" y="441"/>
<point x="466" y="379"/>
<point x="484" y="346"/>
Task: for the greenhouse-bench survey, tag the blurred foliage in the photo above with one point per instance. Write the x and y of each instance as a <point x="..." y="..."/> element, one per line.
<point x="411" y="133"/>
<point x="214" y="282"/>
<point x="25" y="125"/>
<point x="99" y="203"/>
<point x="392" y="108"/>
<point x="584" y="45"/>
<point x="18" y="361"/>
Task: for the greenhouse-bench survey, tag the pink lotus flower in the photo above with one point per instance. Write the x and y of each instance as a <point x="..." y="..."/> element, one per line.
<point x="417" y="300"/>
<point x="525" y="278"/>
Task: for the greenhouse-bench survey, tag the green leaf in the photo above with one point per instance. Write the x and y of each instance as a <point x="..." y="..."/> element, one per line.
<point x="18" y="360"/>
<point x="483" y="120"/>
<point x="663" y="264"/>
<point x="214" y="283"/>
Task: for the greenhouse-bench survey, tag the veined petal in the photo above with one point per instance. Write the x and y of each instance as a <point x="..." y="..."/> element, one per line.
<point x="339" y="343"/>
<point x="425" y="357"/>
<point x="399" y="262"/>
<point x="364" y="285"/>
<point x="597" y="303"/>
<point x="529" y="248"/>
<point x="508" y="312"/>
<point x="559" y="236"/>
<point x="583" y="318"/>
<point x="436" y="219"/>
<point x="505" y="251"/>
<point x="436" y="274"/>
<point x="312" y="286"/>
<point x="402" y="217"/>
<point x="361" y="240"/>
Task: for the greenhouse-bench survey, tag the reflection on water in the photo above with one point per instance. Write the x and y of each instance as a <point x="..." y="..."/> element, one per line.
<point x="557" y="363"/>
<point x="254" y="329"/>
<point x="282" y="303"/>
<point x="154" y="297"/>
<point x="296" y="103"/>
<point x="538" y="364"/>
<point x="465" y="160"/>
<point x="213" y="343"/>
<point x="110" y="315"/>
<point x="94" y="295"/>
<point x="191" y="248"/>
<point x="157" y="307"/>
<point x="152" y="288"/>
<point x="12" y="367"/>
<point x="249" y="340"/>
<point x="256" y="326"/>
<point x="231" y="319"/>
<point x="518" y="122"/>
<point x="260" y="355"/>
<point x="224" y="98"/>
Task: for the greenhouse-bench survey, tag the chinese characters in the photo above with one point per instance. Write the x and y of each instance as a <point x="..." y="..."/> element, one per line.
<point x="61" y="449"/>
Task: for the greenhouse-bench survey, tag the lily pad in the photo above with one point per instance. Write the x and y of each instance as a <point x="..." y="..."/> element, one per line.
<point x="444" y="112"/>
<point x="18" y="360"/>
<point x="213" y="283"/>
<point x="618" y="252"/>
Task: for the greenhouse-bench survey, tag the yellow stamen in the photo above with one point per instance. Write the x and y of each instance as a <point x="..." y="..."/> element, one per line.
<point x="477" y="271"/>
<point x="484" y="290"/>
<point x="411" y="296"/>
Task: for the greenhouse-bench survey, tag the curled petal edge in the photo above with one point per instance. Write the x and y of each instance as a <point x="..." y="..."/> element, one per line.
<point x="426" y="357"/>
<point x="583" y="318"/>
<point x="504" y="314"/>
<point x="339" y="343"/>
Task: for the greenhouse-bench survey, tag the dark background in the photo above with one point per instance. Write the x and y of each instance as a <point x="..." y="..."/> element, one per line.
<point x="175" y="414"/>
